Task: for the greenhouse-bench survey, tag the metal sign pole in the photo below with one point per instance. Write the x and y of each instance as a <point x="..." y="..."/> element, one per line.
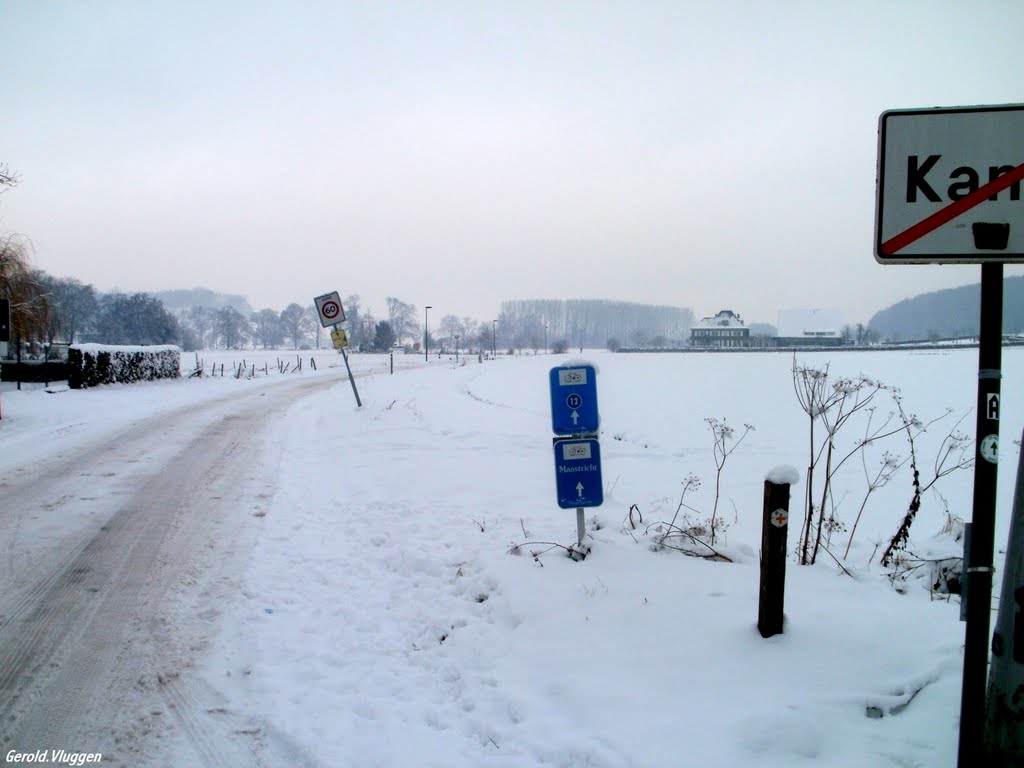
<point x="1004" y="709"/>
<point x="979" y="562"/>
<point x="351" y="379"/>
<point x="575" y="422"/>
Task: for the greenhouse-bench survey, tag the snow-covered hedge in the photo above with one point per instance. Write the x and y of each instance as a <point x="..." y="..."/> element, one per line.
<point x="94" y="364"/>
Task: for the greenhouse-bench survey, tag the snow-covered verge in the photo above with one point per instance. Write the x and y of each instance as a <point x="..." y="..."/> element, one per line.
<point x="400" y="606"/>
<point x="42" y="422"/>
<point x="384" y="620"/>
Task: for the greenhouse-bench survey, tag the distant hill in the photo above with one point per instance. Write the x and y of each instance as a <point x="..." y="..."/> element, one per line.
<point x="948" y="313"/>
<point x="202" y="297"/>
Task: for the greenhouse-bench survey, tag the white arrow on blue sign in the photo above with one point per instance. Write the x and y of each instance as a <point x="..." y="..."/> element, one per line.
<point x="574" y="400"/>
<point x="578" y="473"/>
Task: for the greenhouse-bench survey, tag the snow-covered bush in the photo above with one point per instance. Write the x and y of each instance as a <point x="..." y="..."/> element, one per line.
<point x="90" y="365"/>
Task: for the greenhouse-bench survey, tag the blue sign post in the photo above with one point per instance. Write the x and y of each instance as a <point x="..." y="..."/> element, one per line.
<point x="578" y="473"/>
<point x="574" y="400"/>
<point x="575" y="422"/>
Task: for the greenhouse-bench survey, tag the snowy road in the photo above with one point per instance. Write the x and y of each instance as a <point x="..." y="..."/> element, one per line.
<point x="102" y="544"/>
<point x="228" y="572"/>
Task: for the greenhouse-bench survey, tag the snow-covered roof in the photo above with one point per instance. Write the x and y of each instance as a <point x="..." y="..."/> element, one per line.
<point x="724" y="319"/>
<point x="794" y="323"/>
<point x="96" y="348"/>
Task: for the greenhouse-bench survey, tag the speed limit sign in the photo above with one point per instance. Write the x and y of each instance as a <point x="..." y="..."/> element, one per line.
<point x="328" y="306"/>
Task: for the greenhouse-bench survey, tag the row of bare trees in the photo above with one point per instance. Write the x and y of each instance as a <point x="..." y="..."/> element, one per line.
<point x="536" y="323"/>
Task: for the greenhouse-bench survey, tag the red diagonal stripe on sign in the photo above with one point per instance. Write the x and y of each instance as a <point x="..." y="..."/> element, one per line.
<point x="951" y="211"/>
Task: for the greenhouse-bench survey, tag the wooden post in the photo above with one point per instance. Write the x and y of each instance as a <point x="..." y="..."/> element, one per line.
<point x="774" y="527"/>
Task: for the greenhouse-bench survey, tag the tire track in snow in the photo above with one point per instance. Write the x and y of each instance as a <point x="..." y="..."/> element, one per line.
<point x="220" y="737"/>
<point x="74" y="646"/>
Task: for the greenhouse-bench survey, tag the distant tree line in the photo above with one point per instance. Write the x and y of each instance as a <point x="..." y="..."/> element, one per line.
<point x="567" y="323"/>
<point x="949" y="313"/>
<point x="49" y="312"/>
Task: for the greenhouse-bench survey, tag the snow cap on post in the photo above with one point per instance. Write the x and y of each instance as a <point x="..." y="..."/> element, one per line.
<point x="578" y="362"/>
<point x="783" y="474"/>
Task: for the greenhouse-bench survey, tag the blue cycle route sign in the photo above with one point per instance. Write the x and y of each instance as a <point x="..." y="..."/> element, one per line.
<point x="578" y="473"/>
<point x="574" y="400"/>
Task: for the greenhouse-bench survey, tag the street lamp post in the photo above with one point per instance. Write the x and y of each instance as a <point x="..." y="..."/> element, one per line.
<point x="426" y="333"/>
<point x="494" y="330"/>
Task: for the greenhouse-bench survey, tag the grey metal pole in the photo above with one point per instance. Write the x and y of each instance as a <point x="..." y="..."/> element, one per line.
<point x="580" y="527"/>
<point x="979" y="563"/>
<point x="426" y="332"/>
<point x="1004" y="719"/>
<point x="351" y="380"/>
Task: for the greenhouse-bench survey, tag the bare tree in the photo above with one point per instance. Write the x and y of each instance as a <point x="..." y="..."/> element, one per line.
<point x="267" y="328"/>
<point x="315" y="326"/>
<point x="233" y="328"/>
<point x="451" y="326"/>
<point x="401" y="318"/>
<point x="203" y="321"/>
<point x="8" y="178"/>
<point x="18" y="283"/>
<point x="295" y="323"/>
<point x="73" y="307"/>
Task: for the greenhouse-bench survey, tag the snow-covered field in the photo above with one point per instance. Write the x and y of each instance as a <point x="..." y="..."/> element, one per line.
<point x="385" y="616"/>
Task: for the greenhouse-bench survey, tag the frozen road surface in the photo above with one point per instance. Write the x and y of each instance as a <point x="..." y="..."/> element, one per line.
<point x="106" y="546"/>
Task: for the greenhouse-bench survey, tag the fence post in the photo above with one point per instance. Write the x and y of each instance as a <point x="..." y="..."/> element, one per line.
<point x="774" y="528"/>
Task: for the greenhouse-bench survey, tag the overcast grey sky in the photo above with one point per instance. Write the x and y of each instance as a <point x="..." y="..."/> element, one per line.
<point x="703" y="154"/>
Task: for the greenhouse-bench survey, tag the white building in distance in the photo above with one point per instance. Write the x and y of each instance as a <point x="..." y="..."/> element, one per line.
<point x="724" y="330"/>
<point x="810" y="327"/>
